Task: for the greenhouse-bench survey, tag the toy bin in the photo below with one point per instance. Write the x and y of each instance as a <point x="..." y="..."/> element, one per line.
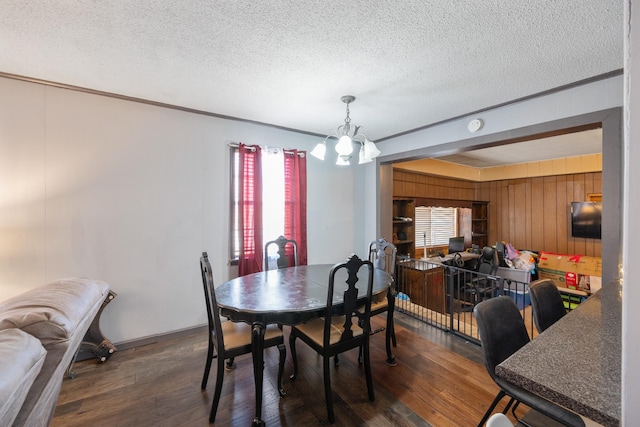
<point x="520" y="297"/>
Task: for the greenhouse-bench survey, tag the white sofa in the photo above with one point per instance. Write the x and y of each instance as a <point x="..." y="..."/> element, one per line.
<point x="40" y="331"/>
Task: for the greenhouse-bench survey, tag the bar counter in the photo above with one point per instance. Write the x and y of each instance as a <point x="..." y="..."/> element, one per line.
<point x="576" y="362"/>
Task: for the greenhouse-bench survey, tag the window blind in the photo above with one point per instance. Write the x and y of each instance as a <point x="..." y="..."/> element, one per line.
<point x="435" y="225"/>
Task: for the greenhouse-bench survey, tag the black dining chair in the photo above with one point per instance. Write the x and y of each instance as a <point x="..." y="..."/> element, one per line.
<point x="383" y="256"/>
<point x="546" y="303"/>
<point x="286" y="248"/>
<point x="502" y="333"/>
<point x="228" y="340"/>
<point x="334" y="334"/>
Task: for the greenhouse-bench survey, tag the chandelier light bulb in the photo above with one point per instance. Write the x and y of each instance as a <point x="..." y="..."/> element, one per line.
<point x="344" y="147"/>
<point x="363" y="157"/>
<point x="370" y="149"/>
<point x="319" y="150"/>
<point x="343" y="160"/>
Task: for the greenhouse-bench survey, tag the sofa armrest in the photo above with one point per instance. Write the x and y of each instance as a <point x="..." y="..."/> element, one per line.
<point x="22" y="357"/>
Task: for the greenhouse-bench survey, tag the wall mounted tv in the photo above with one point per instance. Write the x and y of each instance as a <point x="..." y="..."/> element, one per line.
<point x="586" y="220"/>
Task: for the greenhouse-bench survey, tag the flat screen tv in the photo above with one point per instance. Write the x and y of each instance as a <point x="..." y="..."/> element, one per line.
<point x="586" y="220"/>
<point x="456" y="244"/>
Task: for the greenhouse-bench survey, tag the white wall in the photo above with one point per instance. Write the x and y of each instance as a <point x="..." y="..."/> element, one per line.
<point x="631" y="207"/>
<point x="132" y="194"/>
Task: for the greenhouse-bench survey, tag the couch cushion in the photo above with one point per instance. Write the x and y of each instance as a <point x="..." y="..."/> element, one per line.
<point x="53" y="311"/>
<point x="22" y="357"/>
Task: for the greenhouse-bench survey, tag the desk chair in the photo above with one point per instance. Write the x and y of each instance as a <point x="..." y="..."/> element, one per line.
<point x="502" y="333"/>
<point x="228" y="339"/>
<point x="383" y="256"/>
<point x="335" y="334"/>
<point x="286" y="248"/>
<point x="482" y="287"/>
<point x="546" y="303"/>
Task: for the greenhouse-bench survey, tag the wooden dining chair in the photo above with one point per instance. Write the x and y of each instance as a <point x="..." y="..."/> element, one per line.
<point x="286" y="248"/>
<point x="334" y="334"/>
<point x="228" y="340"/>
<point x="383" y="256"/>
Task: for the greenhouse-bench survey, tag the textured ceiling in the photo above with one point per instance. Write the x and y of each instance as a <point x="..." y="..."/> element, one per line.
<point x="409" y="63"/>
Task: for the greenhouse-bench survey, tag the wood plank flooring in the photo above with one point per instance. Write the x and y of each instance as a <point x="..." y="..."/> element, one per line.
<point x="439" y="381"/>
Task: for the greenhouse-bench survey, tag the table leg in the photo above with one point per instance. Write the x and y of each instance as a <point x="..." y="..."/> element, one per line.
<point x="257" y="350"/>
<point x="391" y="301"/>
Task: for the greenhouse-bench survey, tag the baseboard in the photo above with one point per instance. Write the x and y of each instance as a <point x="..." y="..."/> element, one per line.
<point x="139" y="342"/>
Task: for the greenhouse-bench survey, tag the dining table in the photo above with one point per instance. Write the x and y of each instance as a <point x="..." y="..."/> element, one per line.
<point x="576" y="362"/>
<point x="286" y="296"/>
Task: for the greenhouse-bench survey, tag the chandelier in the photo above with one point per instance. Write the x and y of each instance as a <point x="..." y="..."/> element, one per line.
<point x="348" y="134"/>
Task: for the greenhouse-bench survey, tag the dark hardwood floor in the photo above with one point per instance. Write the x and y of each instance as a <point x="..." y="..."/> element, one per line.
<point x="439" y="381"/>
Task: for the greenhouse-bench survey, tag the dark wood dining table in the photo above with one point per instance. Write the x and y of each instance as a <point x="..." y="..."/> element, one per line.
<point x="286" y="296"/>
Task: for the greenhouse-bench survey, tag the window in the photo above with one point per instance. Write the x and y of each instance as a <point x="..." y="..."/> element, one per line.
<point x="435" y="225"/>
<point x="268" y="199"/>
<point x="272" y="196"/>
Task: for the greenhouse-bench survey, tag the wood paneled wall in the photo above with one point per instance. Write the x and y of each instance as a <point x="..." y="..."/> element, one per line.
<point x="534" y="213"/>
<point x="530" y="213"/>
<point x="419" y="185"/>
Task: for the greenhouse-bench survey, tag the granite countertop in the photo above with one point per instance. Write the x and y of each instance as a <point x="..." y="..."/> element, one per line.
<point x="576" y="362"/>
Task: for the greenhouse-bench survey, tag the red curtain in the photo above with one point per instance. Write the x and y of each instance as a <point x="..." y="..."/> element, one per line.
<point x="250" y="207"/>
<point x="295" y="202"/>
